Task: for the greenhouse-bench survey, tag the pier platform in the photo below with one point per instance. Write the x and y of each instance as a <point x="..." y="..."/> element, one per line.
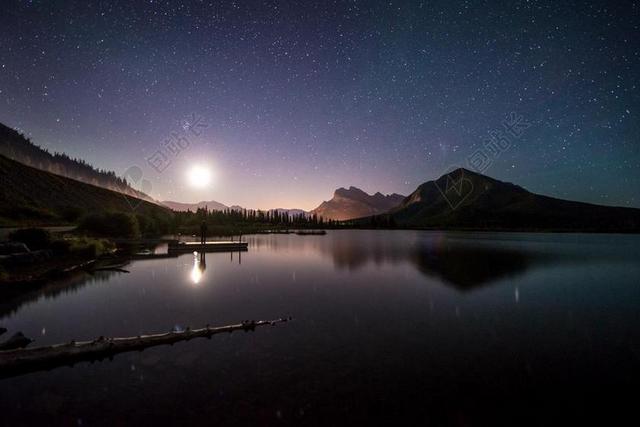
<point x="218" y="246"/>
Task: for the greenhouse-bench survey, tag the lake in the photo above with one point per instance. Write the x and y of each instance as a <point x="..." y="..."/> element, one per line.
<point x="389" y="327"/>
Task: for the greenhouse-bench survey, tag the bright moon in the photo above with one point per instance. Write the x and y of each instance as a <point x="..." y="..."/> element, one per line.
<point x="199" y="176"/>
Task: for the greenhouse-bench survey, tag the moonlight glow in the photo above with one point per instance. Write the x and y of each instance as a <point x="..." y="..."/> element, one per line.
<point x="199" y="176"/>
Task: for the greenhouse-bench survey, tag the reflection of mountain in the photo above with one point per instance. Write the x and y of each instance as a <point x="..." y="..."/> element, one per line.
<point x="459" y="263"/>
<point x="469" y="267"/>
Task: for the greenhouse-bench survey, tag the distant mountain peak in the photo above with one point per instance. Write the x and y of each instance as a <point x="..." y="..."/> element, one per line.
<point x="352" y="202"/>
<point x="348" y="191"/>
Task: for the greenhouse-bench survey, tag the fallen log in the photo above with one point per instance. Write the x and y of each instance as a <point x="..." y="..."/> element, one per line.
<point x="22" y="361"/>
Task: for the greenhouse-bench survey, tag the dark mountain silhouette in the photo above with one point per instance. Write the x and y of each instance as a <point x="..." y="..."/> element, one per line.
<point x="15" y="146"/>
<point x="31" y="195"/>
<point x="355" y="203"/>
<point x="465" y="199"/>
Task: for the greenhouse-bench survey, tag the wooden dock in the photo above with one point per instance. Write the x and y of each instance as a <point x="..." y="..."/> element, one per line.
<point x="222" y="246"/>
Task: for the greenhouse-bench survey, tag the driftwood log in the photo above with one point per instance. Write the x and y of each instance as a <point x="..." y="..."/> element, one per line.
<point x="26" y="360"/>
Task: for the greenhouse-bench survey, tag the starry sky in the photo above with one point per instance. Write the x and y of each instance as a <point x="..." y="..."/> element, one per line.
<point x="287" y="101"/>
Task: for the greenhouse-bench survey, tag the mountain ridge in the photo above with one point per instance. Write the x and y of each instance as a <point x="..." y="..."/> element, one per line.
<point x="17" y="147"/>
<point x="353" y="203"/>
<point x="467" y="199"/>
<point x="34" y="196"/>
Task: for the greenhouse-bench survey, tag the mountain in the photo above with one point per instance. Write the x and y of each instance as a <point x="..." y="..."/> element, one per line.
<point x="32" y="196"/>
<point x="211" y="205"/>
<point x="354" y="203"/>
<point x="465" y="199"/>
<point x="15" y="146"/>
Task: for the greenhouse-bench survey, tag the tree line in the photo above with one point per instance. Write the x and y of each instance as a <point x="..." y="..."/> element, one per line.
<point x="249" y="217"/>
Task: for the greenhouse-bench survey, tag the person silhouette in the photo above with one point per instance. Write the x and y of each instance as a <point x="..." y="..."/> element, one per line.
<point x="203" y="232"/>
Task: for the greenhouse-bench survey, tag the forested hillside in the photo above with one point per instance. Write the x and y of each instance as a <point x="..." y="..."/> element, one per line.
<point x="16" y="146"/>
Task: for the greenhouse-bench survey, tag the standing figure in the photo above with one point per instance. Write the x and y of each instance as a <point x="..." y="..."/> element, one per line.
<point x="203" y="232"/>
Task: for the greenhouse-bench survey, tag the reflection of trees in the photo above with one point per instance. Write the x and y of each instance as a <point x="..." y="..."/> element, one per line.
<point x="352" y="255"/>
<point x="12" y="298"/>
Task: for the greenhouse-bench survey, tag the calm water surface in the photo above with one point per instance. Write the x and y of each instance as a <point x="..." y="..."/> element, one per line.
<point x="390" y="326"/>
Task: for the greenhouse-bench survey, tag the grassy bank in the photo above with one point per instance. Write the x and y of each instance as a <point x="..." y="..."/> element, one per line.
<point x="37" y="255"/>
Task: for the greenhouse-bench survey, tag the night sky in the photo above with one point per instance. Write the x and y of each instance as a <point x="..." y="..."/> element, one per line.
<point x="294" y="99"/>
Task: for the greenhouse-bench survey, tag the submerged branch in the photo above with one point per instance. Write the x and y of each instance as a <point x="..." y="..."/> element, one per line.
<point x="23" y="361"/>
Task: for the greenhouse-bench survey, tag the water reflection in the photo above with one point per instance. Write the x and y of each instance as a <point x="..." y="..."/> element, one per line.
<point x="460" y="262"/>
<point x="12" y="299"/>
<point x="466" y="268"/>
<point x="375" y="329"/>
<point x="199" y="266"/>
